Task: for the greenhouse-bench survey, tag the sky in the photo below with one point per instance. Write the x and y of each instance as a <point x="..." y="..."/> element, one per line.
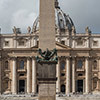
<point x="22" y="13"/>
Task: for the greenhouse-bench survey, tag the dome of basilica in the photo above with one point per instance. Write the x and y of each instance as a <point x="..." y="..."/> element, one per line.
<point x="62" y="20"/>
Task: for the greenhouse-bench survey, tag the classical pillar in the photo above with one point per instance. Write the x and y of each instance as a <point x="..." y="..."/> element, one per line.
<point x="68" y="81"/>
<point x="0" y="75"/>
<point x="87" y="90"/>
<point x="14" y="77"/>
<point x="34" y="85"/>
<point x="99" y="74"/>
<point x="58" y="76"/>
<point x="28" y="76"/>
<point x="73" y="76"/>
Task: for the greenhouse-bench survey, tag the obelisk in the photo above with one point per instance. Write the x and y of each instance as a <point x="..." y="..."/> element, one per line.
<point x="47" y="25"/>
<point x="47" y="57"/>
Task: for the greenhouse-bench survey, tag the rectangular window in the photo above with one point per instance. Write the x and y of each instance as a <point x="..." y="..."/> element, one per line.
<point x="6" y="43"/>
<point x="95" y="43"/>
<point x="79" y="43"/>
<point x="21" y="43"/>
<point x="63" y="42"/>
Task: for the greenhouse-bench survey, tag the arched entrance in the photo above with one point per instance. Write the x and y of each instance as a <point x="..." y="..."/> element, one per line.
<point x="63" y="88"/>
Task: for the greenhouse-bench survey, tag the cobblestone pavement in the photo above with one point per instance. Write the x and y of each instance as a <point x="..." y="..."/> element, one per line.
<point x="58" y="97"/>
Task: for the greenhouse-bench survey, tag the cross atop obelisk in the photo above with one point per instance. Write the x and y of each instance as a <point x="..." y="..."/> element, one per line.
<point x="47" y="25"/>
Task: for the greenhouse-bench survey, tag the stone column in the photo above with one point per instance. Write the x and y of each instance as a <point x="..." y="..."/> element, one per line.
<point x="68" y="83"/>
<point x="0" y="75"/>
<point x="87" y="90"/>
<point x="28" y="76"/>
<point x="34" y="85"/>
<point x="14" y="77"/>
<point x="99" y="73"/>
<point x="73" y="76"/>
<point x="58" y="76"/>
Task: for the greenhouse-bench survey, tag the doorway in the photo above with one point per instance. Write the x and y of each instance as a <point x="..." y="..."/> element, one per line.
<point x="63" y="88"/>
<point x="80" y="86"/>
<point x="37" y="88"/>
<point x="21" y="86"/>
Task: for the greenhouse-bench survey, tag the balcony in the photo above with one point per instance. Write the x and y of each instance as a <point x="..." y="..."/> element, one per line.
<point x="21" y="70"/>
<point x="80" y="69"/>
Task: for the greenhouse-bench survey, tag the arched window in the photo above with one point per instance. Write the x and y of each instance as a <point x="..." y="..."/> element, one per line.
<point x="61" y="24"/>
<point x="61" y="21"/>
<point x="63" y="65"/>
<point x="6" y="65"/>
<point x="95" y="64"/>
<point x="80" y="63"/>
<point x="21" y="65"/>
<point x="63" y="88"/>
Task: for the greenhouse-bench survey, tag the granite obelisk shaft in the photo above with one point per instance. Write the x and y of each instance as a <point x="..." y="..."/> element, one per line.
<point x="47" y="67"/>
<point x="47" y="25"/>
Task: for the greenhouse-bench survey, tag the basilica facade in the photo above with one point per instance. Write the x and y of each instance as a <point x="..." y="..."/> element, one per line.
<point x="78" y="68"/>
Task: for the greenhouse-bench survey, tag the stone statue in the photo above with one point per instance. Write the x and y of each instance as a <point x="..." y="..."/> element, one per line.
<point x="73" y="29"/>
<point x="47" y="55"/>
<point x="87" y="30"/>
<point x="14" y="29"/>
<point x="29" y="29"/>
<point x="56" y="4"/>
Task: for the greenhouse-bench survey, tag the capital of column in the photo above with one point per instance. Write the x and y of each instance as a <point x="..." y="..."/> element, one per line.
<point x="68" y="57"/>
<point x="73" y="59"/>
<point x="29" y="58"/>
<point x="89" y="57"/>
<point x="13" y="58"/>
<point x="33" y="57"/>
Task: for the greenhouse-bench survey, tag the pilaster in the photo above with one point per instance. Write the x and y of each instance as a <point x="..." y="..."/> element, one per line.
<point x="68" y="80"/>
<point x="28" y="76"/>
<point x="58" y="76"/>
<point x="73" y="76"/>
<point x="33" y="75"/>
<point x="14" y="77"/>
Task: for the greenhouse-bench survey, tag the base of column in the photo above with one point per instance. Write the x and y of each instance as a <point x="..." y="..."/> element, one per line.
<point x="14" y="93"/>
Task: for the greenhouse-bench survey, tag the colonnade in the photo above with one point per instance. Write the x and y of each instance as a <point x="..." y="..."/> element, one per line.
<point x="71" y="76"/>
<point x="31" y="85"/>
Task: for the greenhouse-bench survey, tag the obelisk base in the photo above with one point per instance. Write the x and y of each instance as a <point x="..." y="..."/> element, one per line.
<point x="47" y="80"/>
<point x="47" y="90"/>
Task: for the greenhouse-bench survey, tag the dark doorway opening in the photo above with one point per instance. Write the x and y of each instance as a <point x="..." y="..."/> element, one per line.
<point x="37" y="88"/>
<point x="21" y="86"/>
<point x="80" y="86"/>
<point x="63" y="88"/>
